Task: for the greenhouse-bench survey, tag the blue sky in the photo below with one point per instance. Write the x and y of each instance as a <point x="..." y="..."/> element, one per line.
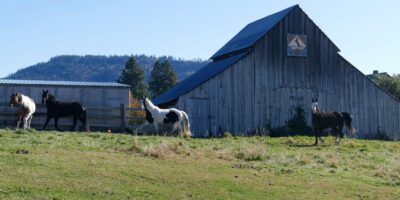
<point x="32" y="31"/>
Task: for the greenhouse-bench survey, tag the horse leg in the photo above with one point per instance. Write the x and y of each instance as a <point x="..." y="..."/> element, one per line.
<point x="73" y="128"/>
<point x="339" y="135"/>
<point x="25" y="121"/>
<point x="336" y="132"/>
<point x="30" y="120"/>
<point x="45" y="124"/>
<point x="316" y="136"/>
<point x="18" y="122"/>
<point x="56" y="124"/>
<point x="180" y="129"/>
<point x="84" y="125"/>
<point x="156" y="128"/>
<point x="175" y="127"/>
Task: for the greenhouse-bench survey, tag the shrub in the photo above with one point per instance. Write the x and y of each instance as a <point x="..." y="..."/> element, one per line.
<point x="298" y="125"/>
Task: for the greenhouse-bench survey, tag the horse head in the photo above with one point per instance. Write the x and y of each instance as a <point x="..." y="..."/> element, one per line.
<point x="45" y="94"/>
<point x="15" y="99"/>
<point x="314" y="105"/>
<point x="46" y="97"/>
<point x="143" y="102"/>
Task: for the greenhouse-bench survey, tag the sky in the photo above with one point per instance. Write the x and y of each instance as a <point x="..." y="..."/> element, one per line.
<point x="33" y="31"/>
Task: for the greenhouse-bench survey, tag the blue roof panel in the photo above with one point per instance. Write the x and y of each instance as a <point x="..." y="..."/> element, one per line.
<point x="250" y="34"/>
<point x="204" y="74"/>
<point x="60" y="83"/>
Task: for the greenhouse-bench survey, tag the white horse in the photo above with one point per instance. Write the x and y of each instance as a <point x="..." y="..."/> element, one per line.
<point x="177" y="118"/>
<point x="26" y="110"/>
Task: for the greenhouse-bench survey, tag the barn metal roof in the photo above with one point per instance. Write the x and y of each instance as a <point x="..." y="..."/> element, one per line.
<point x="250" y="34"/>
<point x="246" y="38"/>
<point x="60" y="83"/>
<point x="196" y="79"/>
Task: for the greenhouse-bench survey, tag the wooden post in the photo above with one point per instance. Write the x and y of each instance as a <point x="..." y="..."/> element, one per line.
<point x="122" y="107"/>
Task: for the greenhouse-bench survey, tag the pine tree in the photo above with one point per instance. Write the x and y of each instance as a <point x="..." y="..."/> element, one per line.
<point x="133" y="75"/>
<point x="162" y="78"/>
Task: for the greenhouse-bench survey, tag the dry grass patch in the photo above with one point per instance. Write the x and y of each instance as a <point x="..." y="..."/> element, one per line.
<point x="384" y="171"/>
<point x="352" y="144"/>
<point x="251" y="153"/>
<point x="164" y="149"/>
<point x="304" y="159"/>
<point x="332" y="160"/>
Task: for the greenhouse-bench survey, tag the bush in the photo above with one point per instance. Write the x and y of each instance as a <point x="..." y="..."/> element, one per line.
<point x="298" y="125"/>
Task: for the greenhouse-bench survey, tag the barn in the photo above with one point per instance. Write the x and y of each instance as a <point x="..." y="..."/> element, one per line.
<point x="101" y="99"/>
<point x="256" y="81"/>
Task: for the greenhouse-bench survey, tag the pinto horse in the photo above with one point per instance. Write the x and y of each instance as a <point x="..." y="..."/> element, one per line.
<point x="177" y="118"/>
<point x="322" y="120"/>
<point x="57" y="109"/>
<point x="27" y="108"/>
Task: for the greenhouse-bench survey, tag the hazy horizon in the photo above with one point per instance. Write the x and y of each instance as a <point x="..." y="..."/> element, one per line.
<point x="35" y="31"/>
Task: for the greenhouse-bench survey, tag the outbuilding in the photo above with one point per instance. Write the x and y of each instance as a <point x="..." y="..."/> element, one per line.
<point x="272" y="66"/>
<point x="102" y="99"/>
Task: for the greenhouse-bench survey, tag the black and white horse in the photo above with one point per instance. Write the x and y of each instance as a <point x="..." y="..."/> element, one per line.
<point x="323" y="120"/>
<point x="57" y="109"/>
<point x="177" y="118"/>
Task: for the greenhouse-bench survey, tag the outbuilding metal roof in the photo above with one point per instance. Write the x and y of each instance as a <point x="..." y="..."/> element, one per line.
<point x="60" y="83"/>
<point x="250" y="34"/>
<point x="196" y="79"/>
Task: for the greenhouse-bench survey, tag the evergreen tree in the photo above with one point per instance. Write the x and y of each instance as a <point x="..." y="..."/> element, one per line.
<point x="133" y="75"/>
<point x="390" y="83"/>
<point x="162" y="78"/>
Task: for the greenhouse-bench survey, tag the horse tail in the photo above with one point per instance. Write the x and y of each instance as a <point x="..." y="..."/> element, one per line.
<point x="347" y="122"/>
<point x="186" y="125"/>
<point x="84" y="119"/>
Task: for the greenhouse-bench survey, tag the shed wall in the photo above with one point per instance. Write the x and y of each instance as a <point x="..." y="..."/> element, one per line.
<point x="91" y="97"/>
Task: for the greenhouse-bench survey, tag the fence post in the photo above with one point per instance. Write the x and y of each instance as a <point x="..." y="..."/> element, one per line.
<point x="122" y="107"/>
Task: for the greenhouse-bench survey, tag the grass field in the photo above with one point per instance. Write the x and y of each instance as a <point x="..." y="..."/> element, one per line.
<point x="54" y="165"/>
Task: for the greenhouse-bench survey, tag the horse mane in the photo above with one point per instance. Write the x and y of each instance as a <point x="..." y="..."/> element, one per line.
<point x="50" y="97"/>
<point x="149" y="104"/>
<point x="319" y="110"/>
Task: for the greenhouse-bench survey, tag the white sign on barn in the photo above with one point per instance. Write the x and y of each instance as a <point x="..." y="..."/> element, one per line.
<point x="297" y="45"/>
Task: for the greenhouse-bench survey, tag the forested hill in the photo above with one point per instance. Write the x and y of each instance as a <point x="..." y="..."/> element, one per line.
<point x="98" y="68"/>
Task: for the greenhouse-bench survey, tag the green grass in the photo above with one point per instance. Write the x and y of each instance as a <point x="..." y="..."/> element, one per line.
<point x="118" y="166"/>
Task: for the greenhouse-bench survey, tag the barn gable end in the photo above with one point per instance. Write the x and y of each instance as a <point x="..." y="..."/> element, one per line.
<point x="263" y="86"/>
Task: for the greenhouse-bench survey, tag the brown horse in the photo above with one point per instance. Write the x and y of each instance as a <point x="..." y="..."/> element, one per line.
<point x="322" y="120"/>
<point x="57" y="109"/>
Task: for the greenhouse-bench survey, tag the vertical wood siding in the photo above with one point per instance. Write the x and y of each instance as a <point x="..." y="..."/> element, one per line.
<point x="263" y="88"/>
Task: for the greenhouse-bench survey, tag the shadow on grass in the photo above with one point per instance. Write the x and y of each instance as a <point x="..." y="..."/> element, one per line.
<point x="309" y="145"/>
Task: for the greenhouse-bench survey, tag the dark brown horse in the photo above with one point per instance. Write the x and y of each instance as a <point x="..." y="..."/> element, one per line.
<point x="57" y="109"/>
<point x="322" y="120"/>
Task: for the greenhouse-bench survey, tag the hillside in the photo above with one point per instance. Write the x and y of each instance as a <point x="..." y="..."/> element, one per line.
<point x="54" y="165"/>
<point x="98" y="68"/>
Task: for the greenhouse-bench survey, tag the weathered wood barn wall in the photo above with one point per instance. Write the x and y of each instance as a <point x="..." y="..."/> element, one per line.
<point x="101" y="96"/>
<point x="262" y="87"/>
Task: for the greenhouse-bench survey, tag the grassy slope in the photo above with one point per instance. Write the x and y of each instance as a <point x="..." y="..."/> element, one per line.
<point x="113" y="166"/>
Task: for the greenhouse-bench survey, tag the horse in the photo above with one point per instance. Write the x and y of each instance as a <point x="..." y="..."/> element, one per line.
<point x="177" y="118"/>
<point x="322" y="120"/>
<point x="57" y="109"/>
<point x="26" y="110"/>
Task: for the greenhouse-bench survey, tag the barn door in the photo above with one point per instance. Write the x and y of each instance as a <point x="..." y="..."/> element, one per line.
<point x="199" y="115"/>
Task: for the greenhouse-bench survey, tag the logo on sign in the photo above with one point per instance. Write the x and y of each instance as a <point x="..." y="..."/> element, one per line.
<point x="297" y="45"/>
